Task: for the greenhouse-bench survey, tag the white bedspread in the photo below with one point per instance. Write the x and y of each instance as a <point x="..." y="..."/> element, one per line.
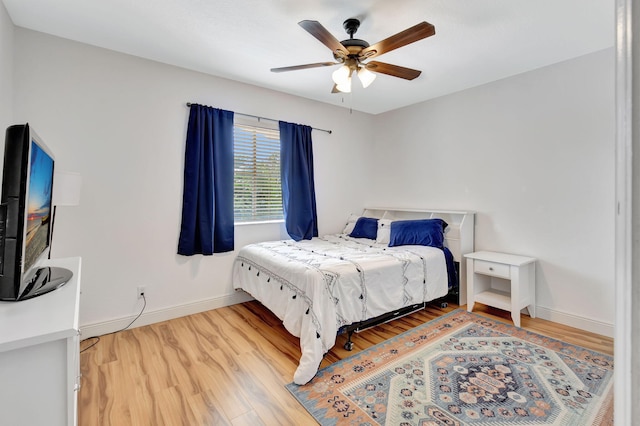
<point x="317" y="286"/>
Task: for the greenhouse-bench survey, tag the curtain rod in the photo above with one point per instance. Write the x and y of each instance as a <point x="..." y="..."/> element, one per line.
<point x="269" y="119"/>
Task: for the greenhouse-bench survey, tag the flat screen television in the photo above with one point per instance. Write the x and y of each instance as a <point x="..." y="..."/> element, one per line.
<point x="25" y="217"/>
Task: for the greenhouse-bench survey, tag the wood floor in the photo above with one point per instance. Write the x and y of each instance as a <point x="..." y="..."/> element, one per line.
<point x="228" y="367"/>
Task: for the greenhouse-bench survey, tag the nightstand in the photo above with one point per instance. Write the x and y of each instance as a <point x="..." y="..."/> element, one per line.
<point x="518" y="272"/>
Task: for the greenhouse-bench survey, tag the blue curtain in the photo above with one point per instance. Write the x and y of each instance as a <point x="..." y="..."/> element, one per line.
<point x="298" y="189"/>
<point x="207" y="205"/>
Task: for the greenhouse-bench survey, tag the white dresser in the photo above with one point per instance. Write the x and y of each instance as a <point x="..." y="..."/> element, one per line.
<point x="40" y="357"/>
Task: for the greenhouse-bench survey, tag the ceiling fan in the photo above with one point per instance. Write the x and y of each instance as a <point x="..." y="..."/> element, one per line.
<point x="352" y="53"/>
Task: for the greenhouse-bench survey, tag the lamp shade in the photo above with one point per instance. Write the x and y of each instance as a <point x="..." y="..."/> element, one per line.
<point x="344" y="87"/>
<point x="366" y="77"/>
<point x="66" y="188"/>
<point x="341" y="75"/>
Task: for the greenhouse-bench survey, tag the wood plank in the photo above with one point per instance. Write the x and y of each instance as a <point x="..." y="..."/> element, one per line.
<point x="206" y="409"/>
<point x="229" y="366"/>
<point x="248" y="419"/>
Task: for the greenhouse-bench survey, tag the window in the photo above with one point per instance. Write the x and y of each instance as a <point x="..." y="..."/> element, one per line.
<point x="257" y="193"/>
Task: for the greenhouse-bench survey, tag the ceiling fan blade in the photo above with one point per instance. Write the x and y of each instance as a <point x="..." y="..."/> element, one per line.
<point x="408" y="36"/>
<point x="303" y="67"/>
<point x="316" y="29"/>
<point x="393" y="70"/>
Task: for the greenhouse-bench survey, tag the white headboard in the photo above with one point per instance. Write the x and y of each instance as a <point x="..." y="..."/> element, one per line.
<point x="459" y="236"/>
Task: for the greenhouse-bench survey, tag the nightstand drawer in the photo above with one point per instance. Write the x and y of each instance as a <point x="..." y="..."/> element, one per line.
<point x="492" y="268"/>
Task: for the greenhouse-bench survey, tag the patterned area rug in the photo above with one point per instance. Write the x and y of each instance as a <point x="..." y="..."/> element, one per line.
<point x="464" y="369"/>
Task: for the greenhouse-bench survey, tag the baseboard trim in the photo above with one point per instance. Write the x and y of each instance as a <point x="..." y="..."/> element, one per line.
<point x="101" y="328"/>
<point x="576" y="321"/>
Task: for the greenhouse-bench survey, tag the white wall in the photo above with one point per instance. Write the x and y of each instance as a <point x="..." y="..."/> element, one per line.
<point x="533" y="155"/>
<point x="121" y="122"/>
<point x="6" y="69"/>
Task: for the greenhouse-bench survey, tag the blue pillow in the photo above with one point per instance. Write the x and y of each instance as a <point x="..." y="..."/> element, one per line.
<point x="366" y="227"/>
<point x="422" y="232"/>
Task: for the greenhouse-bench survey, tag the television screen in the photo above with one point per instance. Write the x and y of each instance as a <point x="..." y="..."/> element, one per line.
<point x="26" y="219"/>
<point x="38" y="205"/>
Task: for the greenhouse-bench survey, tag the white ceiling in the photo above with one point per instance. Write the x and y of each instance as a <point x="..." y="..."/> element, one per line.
<point x="475" y="42"/>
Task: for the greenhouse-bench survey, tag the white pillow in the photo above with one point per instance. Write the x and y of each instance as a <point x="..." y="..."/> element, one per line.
<point x="351" y="223"/>
<point x="384" y="231"/>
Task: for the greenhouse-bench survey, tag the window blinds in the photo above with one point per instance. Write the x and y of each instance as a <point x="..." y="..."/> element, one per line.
<point x="257" y="189"/>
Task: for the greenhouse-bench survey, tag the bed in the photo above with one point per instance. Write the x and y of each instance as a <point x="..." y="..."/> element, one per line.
<point x="385" y="262"/>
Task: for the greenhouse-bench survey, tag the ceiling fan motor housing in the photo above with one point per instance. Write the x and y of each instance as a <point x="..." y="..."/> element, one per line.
<point x="353" y="45"/>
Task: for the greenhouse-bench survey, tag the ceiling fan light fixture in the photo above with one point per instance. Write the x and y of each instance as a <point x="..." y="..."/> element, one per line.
<point x="352" y="52"/>
<point x="344" y="87"/>
<point x="366" y="77"/>
<point x="341" y="76"/>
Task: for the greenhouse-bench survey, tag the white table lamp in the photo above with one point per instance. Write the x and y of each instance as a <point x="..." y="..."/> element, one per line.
<point x="66" y="188"/>
<point x="66" y="192"/>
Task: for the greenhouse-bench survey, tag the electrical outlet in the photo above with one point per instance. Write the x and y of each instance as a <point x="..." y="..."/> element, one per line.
<point x="141" y="291"/>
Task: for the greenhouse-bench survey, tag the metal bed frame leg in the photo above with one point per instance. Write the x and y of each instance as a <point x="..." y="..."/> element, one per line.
<point x="348" y="345"/>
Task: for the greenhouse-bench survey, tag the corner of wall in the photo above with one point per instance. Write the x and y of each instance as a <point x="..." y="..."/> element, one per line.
<point x="6" y="67"/>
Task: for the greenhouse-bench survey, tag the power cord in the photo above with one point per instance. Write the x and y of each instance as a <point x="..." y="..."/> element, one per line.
<point x="97" y="338"/>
